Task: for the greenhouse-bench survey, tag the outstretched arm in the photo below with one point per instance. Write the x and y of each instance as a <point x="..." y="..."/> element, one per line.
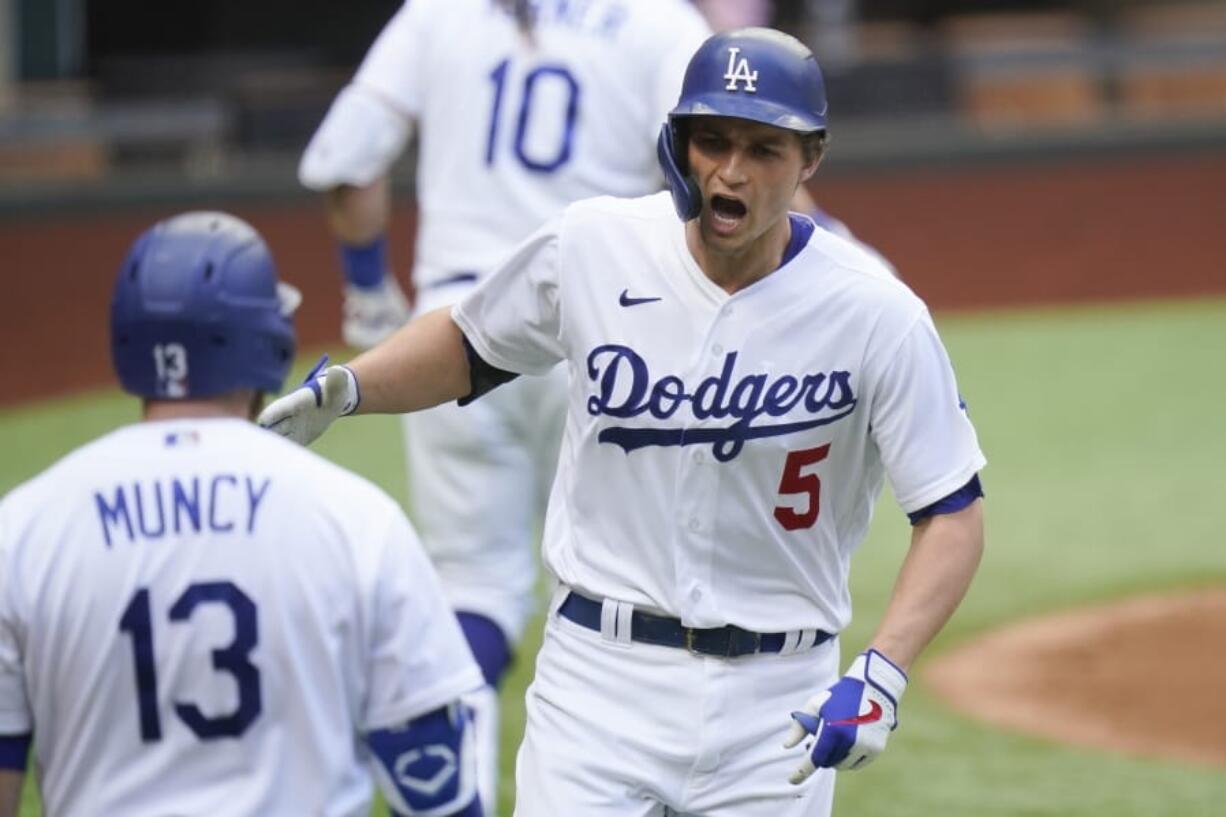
<point x="421" y="365"/>
<point x="944" y="554"/>
<point x="513" y="319"/>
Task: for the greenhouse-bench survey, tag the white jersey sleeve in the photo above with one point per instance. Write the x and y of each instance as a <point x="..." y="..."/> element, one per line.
<point x="418" y="657"/>
<point x="14" y="707"/>
<point x="368" y="125"/>
<point x="358" y="140"/>
<point x="514" y="318"/>
<point x="919" y="422"/>
<point x="393" y="67"/>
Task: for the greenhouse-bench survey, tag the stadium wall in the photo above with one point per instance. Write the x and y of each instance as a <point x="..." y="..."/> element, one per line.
<point x="1056" y="230"/>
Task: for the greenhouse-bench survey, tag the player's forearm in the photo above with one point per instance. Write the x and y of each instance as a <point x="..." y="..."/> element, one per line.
<point x="358" y="215"/>
<point x="944" y="554"/>
<point x="420" y="366"/>
<point x="10" y="792"/>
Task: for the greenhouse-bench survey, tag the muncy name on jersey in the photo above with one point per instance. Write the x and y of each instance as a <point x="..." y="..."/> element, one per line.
<point x="151" y="509"/>
<point x="625" y="388"/>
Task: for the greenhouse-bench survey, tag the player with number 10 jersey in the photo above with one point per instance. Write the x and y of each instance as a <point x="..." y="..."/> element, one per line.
<point x="512" y="124"/>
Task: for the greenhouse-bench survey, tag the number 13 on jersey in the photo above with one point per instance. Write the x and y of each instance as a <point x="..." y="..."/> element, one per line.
<point x="233" y="659"/>
<point x="543" y="109"/>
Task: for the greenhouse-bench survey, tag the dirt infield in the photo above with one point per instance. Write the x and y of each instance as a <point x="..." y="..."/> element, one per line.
<point x="1144" y="677"/>
<point x="976" y="237"/>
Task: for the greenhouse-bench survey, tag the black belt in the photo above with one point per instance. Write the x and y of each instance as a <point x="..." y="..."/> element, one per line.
<point x="728" y="641"/>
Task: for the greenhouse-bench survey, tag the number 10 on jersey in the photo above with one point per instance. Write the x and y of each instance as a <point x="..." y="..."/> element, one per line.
<point x="551" y="85"/>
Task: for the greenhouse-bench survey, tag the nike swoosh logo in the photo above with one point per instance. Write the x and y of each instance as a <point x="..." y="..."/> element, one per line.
<point x="626" y="300"/>
<point x="872" y="716"/>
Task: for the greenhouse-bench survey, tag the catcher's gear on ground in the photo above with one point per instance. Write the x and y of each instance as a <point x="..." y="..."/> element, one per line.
<point x="307" y="411"/>
<point x="197" y="311"/>
<point x="852" y="720"/>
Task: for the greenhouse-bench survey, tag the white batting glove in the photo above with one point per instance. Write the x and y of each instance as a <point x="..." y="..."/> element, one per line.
<point x="852" y="720"/>
<point x="307" y="411"/>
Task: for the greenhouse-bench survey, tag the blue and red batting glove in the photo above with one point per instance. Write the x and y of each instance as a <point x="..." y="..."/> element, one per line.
<point x="852" y="720"/>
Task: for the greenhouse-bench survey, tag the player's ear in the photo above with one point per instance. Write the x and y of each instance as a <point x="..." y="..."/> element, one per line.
<point x="813" y="149"/>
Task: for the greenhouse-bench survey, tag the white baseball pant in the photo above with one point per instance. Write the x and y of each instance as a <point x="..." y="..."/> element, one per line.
<point x="637" y="730"/>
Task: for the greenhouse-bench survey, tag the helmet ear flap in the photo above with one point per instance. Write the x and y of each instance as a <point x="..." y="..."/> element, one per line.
<point x="671" y="151"/>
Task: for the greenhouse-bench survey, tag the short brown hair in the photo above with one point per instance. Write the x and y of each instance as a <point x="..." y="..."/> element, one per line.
<point x="813" y="145"/>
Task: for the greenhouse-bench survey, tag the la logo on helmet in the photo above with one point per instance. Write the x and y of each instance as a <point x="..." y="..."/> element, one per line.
<point x="738" y="71"/>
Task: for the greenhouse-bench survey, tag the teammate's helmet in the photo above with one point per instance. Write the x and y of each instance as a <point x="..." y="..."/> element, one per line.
<point x="198" y="311"/>
<point x="749" y="73"/>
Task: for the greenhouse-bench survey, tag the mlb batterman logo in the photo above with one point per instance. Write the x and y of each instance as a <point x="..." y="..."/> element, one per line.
<point x="738" y="71"/>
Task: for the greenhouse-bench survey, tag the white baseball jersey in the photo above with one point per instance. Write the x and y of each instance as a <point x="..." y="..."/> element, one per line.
<point x="198" y="617"/>
<point x="722" y="453"/>
<point x="510" y="131"/>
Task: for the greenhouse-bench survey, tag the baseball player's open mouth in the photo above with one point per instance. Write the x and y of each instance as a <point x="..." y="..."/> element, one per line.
<point x="727" y="211"/>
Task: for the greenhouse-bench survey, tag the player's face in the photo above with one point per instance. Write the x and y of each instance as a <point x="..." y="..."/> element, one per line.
<point x="748" y="173"/>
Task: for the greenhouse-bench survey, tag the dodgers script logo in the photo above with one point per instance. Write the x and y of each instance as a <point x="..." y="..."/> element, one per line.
<point x="625" y="388"/>
<point x="739" y="72"/>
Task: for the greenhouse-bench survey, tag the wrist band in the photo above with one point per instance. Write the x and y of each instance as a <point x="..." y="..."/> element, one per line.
<point x="354" y="397"/>
<point x="365" y="266"/>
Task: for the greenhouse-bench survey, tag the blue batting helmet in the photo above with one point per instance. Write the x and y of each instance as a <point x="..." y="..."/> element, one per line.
<point x="198" y="311"/>
<point x="757" y="74"/>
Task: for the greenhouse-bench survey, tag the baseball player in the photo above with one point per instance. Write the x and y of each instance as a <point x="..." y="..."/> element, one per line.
<point x="198" y="618"/>
<point x="519" y="109"/>
<point x="741" y="383"/>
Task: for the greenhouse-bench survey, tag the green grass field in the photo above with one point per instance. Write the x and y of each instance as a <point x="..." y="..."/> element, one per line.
<point x="1104" y="431"/>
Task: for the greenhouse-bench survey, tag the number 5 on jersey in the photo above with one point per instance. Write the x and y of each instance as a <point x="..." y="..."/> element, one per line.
<point x="799" y="482"/>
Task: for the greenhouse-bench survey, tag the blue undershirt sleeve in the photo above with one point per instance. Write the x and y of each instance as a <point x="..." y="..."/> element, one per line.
<point x="953" y="503"/>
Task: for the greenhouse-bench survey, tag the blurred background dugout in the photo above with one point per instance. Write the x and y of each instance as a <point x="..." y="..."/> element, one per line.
<point x="225" y="92"/>
<point x="998" y="151"/>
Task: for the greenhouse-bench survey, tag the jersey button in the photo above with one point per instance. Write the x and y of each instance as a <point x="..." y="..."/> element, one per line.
<point x="717" y="350"/>
<point x="696" y="594"/>
<point x="698" y="457"/>
<point x="695" y="524"/>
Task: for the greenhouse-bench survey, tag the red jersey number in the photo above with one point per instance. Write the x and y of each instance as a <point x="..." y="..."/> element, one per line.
<point x="795" y="482"/>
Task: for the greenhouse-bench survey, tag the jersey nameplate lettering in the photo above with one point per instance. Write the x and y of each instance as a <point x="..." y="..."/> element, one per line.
<point x="597" y="19"/>
<point x="625" y="388"/>
<point x="221" y="503"/>
<point x="738" y="71"/>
